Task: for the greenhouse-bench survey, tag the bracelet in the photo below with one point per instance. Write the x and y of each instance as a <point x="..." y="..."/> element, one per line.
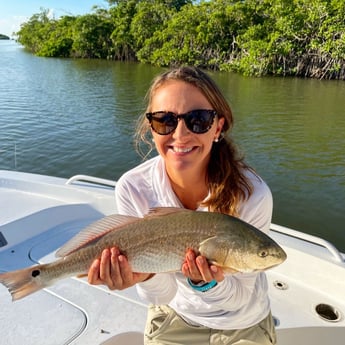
<point x="204" y="287"/>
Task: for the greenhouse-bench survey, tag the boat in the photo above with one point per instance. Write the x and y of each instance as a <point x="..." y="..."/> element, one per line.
<point x="39" y="213"/>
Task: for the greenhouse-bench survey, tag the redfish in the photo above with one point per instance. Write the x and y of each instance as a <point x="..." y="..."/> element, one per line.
<point x="154" y="244"/>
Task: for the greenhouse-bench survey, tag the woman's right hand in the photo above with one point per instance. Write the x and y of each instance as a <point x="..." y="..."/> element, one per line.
<point x="113" y="270"/>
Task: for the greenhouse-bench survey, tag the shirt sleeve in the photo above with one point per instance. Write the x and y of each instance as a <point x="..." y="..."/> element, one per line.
<point x="257" y="209"/>
<point x="130" y="200"/>
<point x="233" y="292"/>
<point x="160" y="289"/>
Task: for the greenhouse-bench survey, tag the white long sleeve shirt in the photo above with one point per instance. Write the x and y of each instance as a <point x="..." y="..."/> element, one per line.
<point x="240" y="300"/>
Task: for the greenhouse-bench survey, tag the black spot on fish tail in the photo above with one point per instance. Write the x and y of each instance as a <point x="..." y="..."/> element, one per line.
<point x="35" y="273"/>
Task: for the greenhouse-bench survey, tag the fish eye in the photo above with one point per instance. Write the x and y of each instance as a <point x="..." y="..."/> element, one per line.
<point x="263" y="253"/>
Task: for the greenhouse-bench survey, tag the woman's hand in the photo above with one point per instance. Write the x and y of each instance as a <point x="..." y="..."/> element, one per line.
<point x="197" y="269"/>
<point x="114" y="271"/>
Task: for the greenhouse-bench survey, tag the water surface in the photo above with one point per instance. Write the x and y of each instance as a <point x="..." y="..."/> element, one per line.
<point x="63" y="117"/>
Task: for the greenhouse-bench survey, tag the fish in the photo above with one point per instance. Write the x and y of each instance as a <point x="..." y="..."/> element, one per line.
<point x="155" y="243"/>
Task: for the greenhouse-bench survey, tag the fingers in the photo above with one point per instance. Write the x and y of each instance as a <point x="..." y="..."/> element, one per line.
<point x="204" y="269"/>
<point x="218" y="273"/>
<point x="126" y="274"/>
<point x="93" y="274"/>
<point x="192" y="267"/>
<point x="198" y="269"/>
<point x="106" y="270"/>
<point x="114" y="271"/>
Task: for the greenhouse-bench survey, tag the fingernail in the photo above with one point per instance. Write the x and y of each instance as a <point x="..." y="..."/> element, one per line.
<point x="200" y="260"/>
<point x="214" y="269"/>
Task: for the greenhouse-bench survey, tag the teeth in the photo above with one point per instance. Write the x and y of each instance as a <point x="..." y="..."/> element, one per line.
<point x="182" y="149"/>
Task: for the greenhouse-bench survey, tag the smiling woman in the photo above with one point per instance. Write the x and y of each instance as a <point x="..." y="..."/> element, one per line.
<point x="186" y="117"/>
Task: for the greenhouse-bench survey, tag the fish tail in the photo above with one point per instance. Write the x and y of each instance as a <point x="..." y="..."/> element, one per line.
<point x="23" y="282"/>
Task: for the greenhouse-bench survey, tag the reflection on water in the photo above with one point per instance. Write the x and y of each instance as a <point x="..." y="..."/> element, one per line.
<point x="63" y="117"/>
<point x="292" y="133"/>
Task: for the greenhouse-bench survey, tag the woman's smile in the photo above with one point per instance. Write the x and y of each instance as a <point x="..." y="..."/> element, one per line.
<point x="180" y="149"/>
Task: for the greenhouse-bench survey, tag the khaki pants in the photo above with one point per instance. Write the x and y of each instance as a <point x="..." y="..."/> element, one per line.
<point x="165" y="327"/>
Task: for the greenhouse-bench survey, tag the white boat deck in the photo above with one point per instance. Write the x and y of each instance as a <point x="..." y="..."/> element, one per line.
<point x="40" y="213"/>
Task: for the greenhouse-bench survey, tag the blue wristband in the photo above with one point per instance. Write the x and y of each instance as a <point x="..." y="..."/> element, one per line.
<point x="204" y="287"/>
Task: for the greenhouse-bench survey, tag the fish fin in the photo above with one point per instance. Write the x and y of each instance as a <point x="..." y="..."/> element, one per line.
<point x="22" y="282"/>
<point x="211" y="248"/>
<point x="210" y="240"/>
<point x="93" y="232"/>
<point x="211" y="245"/>
<point x="164" y="211"/>
<point x="229" y="270"/>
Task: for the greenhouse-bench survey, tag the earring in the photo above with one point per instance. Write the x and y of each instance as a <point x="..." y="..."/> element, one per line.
<point x="221" y="136"/>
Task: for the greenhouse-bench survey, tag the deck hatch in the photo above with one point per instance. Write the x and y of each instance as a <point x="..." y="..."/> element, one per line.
<point x="3" y="241"/>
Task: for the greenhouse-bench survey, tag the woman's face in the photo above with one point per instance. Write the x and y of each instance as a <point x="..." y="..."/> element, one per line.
<point x="183" y="150"/>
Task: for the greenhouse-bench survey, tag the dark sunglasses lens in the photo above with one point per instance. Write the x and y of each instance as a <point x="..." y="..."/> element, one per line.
<point x="164" y="123"/>
<point x="199" y="121"/>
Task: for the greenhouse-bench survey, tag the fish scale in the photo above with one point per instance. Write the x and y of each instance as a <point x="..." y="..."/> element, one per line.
<point x="146" y="247"/>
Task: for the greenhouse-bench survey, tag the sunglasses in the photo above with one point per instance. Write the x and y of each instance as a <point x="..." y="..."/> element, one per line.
<point x="197" y="121"/>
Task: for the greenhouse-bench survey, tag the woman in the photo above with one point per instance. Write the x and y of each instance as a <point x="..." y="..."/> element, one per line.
<point x="198" y="167"/>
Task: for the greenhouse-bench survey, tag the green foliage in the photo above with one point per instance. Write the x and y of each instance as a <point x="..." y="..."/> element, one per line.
<point x="34" y="33"/>
<point x="121" y="37"/>
<point x="149" y="18"/>
<point x="91" y="36"/>
<point x="253" y="37"/>
<point x="59" y="39"/>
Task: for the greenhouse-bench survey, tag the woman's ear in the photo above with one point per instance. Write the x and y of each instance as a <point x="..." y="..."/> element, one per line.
<point x="220" y="125"/>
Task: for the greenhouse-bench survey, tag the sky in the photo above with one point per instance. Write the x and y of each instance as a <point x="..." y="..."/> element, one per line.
<point x="15" y="12"/>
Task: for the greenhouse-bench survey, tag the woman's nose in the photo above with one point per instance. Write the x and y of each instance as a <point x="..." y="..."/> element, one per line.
<point x="181" y="129"/>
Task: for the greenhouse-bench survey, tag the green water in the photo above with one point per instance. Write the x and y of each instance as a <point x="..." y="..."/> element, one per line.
<point x="66" y="117"/>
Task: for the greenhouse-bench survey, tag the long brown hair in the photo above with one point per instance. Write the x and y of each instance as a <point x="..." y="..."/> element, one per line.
<point x="226" y="180"/>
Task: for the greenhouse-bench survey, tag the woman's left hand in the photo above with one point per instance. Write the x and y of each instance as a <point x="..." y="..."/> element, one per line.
<point x="197" y="269"/>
